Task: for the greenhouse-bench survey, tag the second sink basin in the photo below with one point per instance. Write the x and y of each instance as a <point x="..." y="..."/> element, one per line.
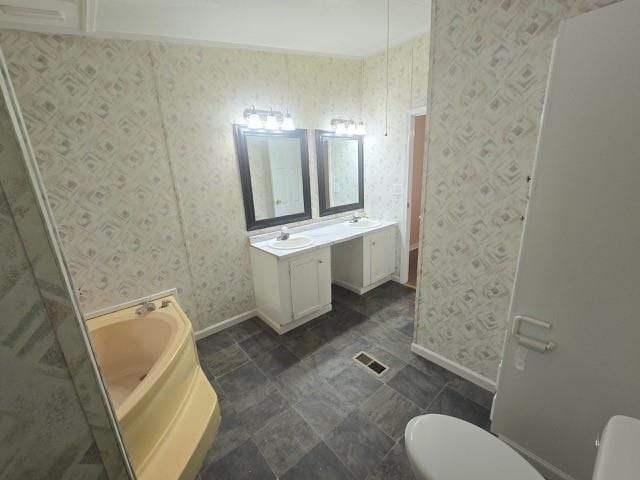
<point x="291" y="243"/>
<point x="364" y="223"/>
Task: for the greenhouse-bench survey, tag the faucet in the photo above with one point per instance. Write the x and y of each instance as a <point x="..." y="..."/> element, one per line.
<point x="355" y="218"/>
<point x="146" y="307"/>
<point x="284" y="234"/>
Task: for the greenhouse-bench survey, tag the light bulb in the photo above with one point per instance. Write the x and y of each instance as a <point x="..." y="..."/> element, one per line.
<point x="254" y="121"/>
<point x="361" y="130"/>
<point x="341" y="128"/>
<point x="272" y="123"/>
<point x="351" y="129"/>
<point x="287" y="123"/>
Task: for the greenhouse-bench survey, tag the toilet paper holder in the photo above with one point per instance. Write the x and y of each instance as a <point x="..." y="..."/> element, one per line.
<point x="530" y="342"/>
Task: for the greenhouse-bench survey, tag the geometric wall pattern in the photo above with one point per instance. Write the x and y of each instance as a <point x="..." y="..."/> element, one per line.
<point x="386" y="165"/>
<point x="53" y="420"/>
<point x="490" y="60"/>
<point x="134" y="143"/>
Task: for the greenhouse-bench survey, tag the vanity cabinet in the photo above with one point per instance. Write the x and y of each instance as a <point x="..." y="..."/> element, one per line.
<point x="291" y="290"/>
<point x="366" y="262"/>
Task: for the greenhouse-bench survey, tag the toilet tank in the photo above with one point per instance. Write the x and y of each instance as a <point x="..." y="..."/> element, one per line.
<point x="619" y="450"/>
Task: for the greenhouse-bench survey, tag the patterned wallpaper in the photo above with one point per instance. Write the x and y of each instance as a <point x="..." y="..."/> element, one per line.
<point x="489" y="68"/>
<point x="386" y="166"/>
<point x="135" y="145"/>
<point x="53" y="422"/>
<point x="202" y="91"/>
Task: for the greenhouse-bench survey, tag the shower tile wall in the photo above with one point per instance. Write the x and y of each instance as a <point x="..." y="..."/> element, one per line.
<point x="490" y="64"/>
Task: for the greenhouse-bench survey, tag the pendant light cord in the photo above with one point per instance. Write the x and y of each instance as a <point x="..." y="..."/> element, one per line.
<point x="386" y="102"/>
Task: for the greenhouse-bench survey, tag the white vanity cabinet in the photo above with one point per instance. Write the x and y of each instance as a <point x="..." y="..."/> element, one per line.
<point x="366" y="262"/>
<point x="293" y="286"/>
<point x="291" y="290"/>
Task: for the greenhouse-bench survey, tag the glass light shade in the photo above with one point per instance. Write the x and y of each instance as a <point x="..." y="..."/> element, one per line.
<point x="287" y="123"/>
<point x="361" y="130"/>
<point x="254" y="121"/>
<point x="351" y="129"/>
<point x="341" y="129"/>
<point x="272" y="123"/>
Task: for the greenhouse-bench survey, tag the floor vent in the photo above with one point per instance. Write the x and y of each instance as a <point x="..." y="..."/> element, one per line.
<point x="371" y="363"/>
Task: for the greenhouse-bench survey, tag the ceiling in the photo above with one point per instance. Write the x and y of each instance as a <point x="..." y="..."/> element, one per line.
<point x="353" y="28"/>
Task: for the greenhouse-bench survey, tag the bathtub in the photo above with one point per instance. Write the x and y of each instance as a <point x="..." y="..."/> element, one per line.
<point x="166" y="408"/>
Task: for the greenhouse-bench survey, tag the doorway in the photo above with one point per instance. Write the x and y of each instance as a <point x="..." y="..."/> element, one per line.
<point x="416" y="163"/>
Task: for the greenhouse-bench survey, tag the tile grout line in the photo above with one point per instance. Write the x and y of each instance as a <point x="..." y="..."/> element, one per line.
<point x="435" y="398"/>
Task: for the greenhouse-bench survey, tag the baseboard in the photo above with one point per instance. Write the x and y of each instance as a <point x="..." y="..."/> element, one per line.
<point x="229" y="322"/>
<point x="454" y="367"/>
<point x="296" y="323"/>
<point x="545" y="468"/>
<point x="347" y="286"/>
<point x="363" y="290"/>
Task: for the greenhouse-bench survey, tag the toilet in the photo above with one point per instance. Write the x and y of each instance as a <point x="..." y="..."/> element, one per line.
<point x="440" y="447"/>
<point x="447" y="448"/>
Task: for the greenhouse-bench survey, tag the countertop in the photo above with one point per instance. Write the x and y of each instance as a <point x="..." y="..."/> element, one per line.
<point x="323" y="237"/>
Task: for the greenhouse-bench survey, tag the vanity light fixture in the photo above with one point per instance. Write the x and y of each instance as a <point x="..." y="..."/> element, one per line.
<point x="254" y="121"/>
<point x="272" y="122"/>
<point x="287" y="122"/>
<point x="268" y="119"/>
<point x="341" y="126"/>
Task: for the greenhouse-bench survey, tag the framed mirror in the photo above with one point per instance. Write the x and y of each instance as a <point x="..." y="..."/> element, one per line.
<point x="274" y="173"/>
<point x="340" y="172"/>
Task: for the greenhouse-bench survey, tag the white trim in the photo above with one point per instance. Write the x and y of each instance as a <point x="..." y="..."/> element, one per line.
<point x="363" y="290"/>
<point x="90" y="8"/>
<point x="454" y="367"/>
<point x="545" y="468"/>
<point x="405" y="226"/>
<point x="175" y="40"/>
<point x="131" y="303"/>
<point x="229" y="322"/>
<point x="280" y="329"/>
<point x="87" y="23"/>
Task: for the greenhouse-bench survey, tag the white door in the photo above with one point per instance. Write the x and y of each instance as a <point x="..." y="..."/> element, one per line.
<point x="579" y="264"/>
<point x="382" y="254"/>
<point x="286" y="176"/>
<point x="310" y="283"/>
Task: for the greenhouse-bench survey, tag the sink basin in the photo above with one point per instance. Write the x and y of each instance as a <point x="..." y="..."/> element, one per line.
<point x="291" y="243"/>
<point x="364" y="223"/>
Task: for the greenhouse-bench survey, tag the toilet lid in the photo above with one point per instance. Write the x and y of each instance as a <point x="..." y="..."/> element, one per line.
<point x="446" y="448"/>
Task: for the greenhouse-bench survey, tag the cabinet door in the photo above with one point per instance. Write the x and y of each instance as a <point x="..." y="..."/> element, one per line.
<point x="310" y="283"/>
<point x="382" y="254"/>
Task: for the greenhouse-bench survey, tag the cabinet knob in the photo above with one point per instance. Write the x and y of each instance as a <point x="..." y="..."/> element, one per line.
<point x="373" y="243"/>
<point x="319" y="261"/>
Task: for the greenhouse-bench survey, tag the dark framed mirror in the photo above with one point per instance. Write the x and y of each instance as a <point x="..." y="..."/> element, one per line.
<point x="274" y="173"/>
<point x="340" y="172"/>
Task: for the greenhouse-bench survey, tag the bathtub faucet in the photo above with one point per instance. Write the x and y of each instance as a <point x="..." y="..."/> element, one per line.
<point x="145" y="308"/>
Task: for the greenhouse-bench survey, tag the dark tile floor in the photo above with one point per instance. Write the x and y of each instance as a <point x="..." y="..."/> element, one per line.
<point x="298" y="406"/>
